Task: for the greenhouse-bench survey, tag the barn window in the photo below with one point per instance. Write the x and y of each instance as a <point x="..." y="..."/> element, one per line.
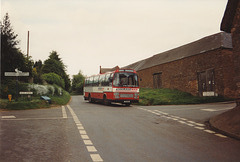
<point x="157" y="80"/>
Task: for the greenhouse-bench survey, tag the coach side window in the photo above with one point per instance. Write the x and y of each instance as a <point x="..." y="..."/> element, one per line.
<point x="96" y="81"/>
<point x="90" y="81"/>
<point x="101" y="80"/>
<point x="86" y="82"/>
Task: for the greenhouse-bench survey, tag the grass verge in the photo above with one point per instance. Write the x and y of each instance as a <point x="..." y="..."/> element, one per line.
<point x="173" y="97"/>
<point x="35" y="103"/>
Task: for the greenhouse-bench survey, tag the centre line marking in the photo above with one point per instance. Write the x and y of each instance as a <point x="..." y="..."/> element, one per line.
<point x="91" y="149"/>
<point x="80" y="128"/>
<point x="88" y="143"/>
<point x="82" y="132"/>
<point x="96" y="157"/>
<point x="85" y="137"/>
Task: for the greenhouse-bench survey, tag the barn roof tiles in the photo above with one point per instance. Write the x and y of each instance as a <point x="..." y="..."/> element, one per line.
<point x="219" y="40"/>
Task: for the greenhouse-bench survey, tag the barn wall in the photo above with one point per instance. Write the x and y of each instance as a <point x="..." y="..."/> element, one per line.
<point x="183" y="74"/>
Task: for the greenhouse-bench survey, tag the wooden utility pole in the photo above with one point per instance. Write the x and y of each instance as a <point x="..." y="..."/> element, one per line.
<point x="28" y="45"/>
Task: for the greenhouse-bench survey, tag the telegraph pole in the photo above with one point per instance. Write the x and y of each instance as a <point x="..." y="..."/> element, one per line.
<point x="28" y="45"/>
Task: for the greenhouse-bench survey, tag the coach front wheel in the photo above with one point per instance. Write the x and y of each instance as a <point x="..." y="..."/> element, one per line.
<point x="90" y="98"/>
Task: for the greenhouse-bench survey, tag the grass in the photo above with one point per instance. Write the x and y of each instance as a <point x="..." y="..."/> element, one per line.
<point x="173" y="97"/>
<point x="34" y="103"/>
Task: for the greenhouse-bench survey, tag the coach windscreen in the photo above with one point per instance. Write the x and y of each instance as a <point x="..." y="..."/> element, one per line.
<point x="125" y="80"/>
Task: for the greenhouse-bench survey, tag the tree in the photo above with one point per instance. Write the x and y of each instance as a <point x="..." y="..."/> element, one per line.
<point x="78" y="82"/>
<point x="37" y="72"/>
<point x="53" y="78"/>
<point x="54" y="64"/>
<point x="11" y="56"/>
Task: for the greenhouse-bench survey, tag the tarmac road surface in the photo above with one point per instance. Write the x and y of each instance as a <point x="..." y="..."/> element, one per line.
<point x="83" y="131"/>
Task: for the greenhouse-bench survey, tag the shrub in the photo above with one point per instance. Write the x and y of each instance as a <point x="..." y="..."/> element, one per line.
<point x="52" y="78"/>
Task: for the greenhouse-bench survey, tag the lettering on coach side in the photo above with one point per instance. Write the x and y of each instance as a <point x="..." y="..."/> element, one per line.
<point x="126" y="89"/>
<point x="100" y="89"/>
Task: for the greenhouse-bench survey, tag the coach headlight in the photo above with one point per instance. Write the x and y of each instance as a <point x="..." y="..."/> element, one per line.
<point x="116" y="95"/>
<point x="136" y="95"/>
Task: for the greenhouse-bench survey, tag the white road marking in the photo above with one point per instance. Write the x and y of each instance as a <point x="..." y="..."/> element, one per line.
<point x="96" y="157"/>
<point x="80" y="128"/>
<point x="53" y="118"/>
<point x="185" y="121"/>
<point x="220" y="135"/>
<point x="8" y="117"/>
<point x="84" y="136"/>
<point x="64" y="113"/>
<point x="201" y="128"/>
<point x="182" y="118"/>
<point x="91" y="149"/>
<point x="208" y="110"/>
<point x="212" y="110"/>
<point x="82" y="132"/>
<point x="191" y="122"/>
<point x="209" y="131"/>
<point x="88" y="143"/>
<point x="182" y="122"/>
<point x="202" y="125"/>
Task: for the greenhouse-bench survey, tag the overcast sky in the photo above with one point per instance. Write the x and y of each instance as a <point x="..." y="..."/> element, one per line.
<point x="90" y="33"/>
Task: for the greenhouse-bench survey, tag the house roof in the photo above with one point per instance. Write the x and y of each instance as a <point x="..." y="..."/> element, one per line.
<point x="229" y="14"/>
<point x="219" y="40"/>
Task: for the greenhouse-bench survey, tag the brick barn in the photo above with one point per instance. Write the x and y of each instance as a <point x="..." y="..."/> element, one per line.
<point x="204" y="67"/>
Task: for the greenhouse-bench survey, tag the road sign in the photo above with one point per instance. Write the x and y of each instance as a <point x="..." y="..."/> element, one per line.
<point x="25" y="93"/>
<point x="16" y="74"/>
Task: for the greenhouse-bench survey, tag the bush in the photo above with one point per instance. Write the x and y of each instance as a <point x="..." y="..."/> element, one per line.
<point x="46" y="90"/>
<point x="52" y="78"/>
<point x="12" y="87"/>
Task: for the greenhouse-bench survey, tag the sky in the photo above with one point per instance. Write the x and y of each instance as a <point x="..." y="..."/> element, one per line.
<point x="88" y="34"/>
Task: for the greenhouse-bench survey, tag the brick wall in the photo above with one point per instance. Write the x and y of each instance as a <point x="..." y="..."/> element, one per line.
<point x="183" y="74"/>
<point x="236" y="48"/>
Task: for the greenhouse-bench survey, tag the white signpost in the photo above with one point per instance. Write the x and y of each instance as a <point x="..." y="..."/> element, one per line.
<point x="17" y="74"/>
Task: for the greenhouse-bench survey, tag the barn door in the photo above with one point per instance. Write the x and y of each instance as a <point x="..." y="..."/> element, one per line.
<point x="157" y="80"/>
<point x="202" y="83"/>
<point x="206" y="83"/>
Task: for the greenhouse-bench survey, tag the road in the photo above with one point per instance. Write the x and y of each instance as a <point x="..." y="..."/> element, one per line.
<point x="83" y="131"/>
